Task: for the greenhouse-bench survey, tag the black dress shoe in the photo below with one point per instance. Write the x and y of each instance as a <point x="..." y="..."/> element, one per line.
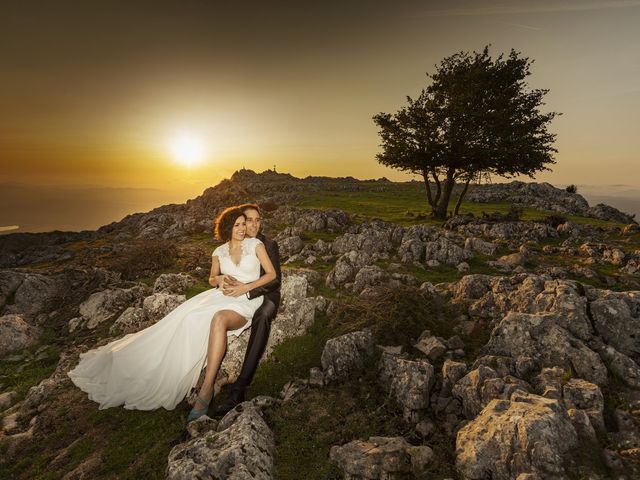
<point x="236" y="397"/>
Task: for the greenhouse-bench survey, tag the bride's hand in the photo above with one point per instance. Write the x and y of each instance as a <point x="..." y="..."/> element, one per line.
<point x="220" y="280"/>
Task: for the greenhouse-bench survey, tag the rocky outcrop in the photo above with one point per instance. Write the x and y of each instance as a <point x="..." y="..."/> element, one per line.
<point x="346" y="354"/>
<point x="482" y="385"/>
<point x="544" y="196"/>
<point x="241" y="447"/>
<point x="525" y="435"/>
<point x="381" y="458"/>
<point x="346" y="268"/>
<point x="173" y="283"/>
<point x="16" y="334"/>
<point x="540" y="338"/>
<point x="105" y="305"/>
<point x="28" y="294"/>
<point x="409" y="381"/>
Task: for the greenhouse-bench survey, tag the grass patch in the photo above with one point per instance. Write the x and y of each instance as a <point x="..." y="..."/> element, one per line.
<point x="138" y="442"/>
<point x="292" y="358"/>
<point x="22" y="370"/>
<point x="307" y="427"/>
<point x="313" y="237"/>
<point x="397" y="316"/>
<point x="79" y="451"/>
<point x="196" y="289"/>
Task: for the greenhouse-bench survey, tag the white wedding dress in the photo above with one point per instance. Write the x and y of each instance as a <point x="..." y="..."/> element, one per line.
<point x="158" y="366"/>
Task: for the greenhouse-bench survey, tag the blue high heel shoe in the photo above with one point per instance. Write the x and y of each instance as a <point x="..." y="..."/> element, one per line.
<point x="196" y="413"/>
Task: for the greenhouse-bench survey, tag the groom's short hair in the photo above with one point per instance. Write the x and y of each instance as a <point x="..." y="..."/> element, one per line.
<point x="225" y="221"/>
<point x="250" y="206"/>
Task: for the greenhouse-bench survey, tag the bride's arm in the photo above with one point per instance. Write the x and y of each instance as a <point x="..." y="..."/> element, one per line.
<point x="269" y="274"/>
<point x="215" y="279"/>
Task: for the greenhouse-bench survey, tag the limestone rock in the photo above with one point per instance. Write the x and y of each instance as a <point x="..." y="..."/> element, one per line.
<point x="430" y="346"/>
<point x="542" y="339"/>
<point x="527" y="434"/>
<point x="243" y="449"/>
<point x="158" y="305"/>
<point x="105" y="304"/>
<point x="376" y="458"/>
<point x="176" y="283"/>
<point x="409" y="381"/>
<point x="346" y="354"/>
<point x="580" y="394"/>
<point x="16" y="334"/>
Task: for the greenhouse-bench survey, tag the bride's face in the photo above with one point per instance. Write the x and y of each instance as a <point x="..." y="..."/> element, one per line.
<point x="239" y="229"/>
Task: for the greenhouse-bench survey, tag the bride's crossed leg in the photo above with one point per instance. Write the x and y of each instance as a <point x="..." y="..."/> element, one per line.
<point x="221" y="323"/>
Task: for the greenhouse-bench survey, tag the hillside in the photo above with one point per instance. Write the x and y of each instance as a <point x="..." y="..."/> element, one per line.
<point x="499" y="344"/>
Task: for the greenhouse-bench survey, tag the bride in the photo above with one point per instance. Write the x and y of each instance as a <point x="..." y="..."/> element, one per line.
<point x="158" y="366"/>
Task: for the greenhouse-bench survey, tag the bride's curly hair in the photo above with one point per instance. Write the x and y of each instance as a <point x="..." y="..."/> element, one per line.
<point x="225" y="221"/>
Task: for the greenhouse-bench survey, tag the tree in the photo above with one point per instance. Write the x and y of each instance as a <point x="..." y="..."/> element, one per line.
<point x="477" y="117"/>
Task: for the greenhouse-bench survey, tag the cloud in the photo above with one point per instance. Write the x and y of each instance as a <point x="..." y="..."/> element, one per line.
<point x="520" y="25"/>
<point x="540" y="7"/>
<point x="9" y="228"/>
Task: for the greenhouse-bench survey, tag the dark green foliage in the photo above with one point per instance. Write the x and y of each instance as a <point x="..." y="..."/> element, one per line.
<point x="571" y="189"/>
<point x="476" y="118"/>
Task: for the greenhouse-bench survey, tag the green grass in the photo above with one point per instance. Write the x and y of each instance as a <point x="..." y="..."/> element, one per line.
<point x="22" y="370"/>
<point x="196" y="289"/>
<point x="311" y="423"/>
<point x="79" y="451"/>
<point x="406" y="204"/>
<point x="138" y="442"/>
<point x="292" y="358"/>
<point x="313" y="237"/>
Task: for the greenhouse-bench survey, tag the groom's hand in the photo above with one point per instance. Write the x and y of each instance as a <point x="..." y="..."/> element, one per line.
<point x="235" y="290"/>
<point x="230" y="285"/>
<point x="231" y="281"/>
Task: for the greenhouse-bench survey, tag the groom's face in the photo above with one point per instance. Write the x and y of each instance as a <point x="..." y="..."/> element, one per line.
<point x="254" y="222"/>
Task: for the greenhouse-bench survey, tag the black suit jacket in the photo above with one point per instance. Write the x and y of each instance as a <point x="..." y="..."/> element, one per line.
<point x="270" y="290"/>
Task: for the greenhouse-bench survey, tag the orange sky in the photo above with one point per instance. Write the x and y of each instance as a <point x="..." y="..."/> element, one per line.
<point x="93" y="92"/>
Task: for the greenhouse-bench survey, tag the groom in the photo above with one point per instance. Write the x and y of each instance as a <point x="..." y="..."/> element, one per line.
<point x="261" y="323"/>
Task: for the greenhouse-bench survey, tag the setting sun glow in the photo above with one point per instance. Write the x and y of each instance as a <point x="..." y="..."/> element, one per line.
<point x="187" y="149"/>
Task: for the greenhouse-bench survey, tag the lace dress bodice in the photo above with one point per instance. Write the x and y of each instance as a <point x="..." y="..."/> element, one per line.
<point x="248" y="269"/>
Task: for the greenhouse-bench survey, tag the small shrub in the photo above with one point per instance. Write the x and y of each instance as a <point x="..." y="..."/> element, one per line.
<point x="571" y="188"/>
<point x="514" y="214"/>
<point x="397" y="316"/>
<point x="555" y="220"/>
<point x="145" y="259"/>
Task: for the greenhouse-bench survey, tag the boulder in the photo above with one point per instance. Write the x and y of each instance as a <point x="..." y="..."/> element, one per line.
<point x="580" y="394"/>
<point x="526" y="434"/>
<point x="241" y="448"/>
<point x="346" y="354"/>
<point x="376" y="458"/>
<point x="106" y="304"/>
<point x="159" y="305"/>
<point x="16" y="334"/>
<point x="548" y="344"/>
<point x="482" y="385"/>
<point x="409" y="381"/>
<point x="176" y="283"/>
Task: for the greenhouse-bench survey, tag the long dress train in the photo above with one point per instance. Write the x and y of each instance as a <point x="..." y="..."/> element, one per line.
<point x="158" y="366"/>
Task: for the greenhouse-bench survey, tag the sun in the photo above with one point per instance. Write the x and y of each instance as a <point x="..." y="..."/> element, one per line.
<point x="187" y="149"/>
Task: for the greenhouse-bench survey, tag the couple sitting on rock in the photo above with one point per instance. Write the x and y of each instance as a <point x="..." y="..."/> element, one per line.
<point x="160" y="365"/>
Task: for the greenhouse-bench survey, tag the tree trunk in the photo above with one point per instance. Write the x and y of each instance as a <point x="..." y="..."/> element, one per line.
<point x="438" y="186"/>
<point x="425" y="175"/>
<point x="449" y="183"/>
<point x="462" y="194"/>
